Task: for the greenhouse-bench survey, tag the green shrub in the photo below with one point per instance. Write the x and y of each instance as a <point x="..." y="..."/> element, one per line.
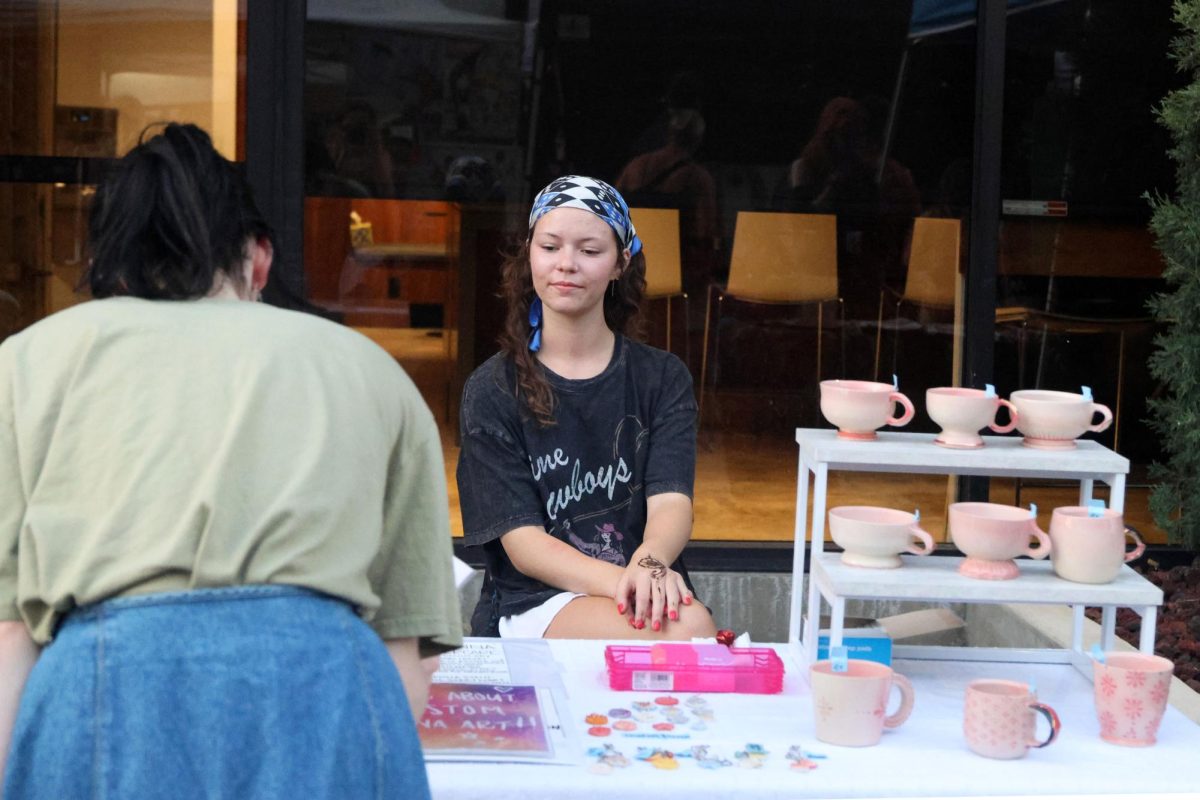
<point x="1175" y="500"/>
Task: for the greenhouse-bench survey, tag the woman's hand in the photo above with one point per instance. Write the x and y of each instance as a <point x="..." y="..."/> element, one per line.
<point x="649" y="593"/>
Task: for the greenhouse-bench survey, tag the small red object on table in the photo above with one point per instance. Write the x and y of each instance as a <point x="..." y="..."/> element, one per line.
<point x="725" y="637"/>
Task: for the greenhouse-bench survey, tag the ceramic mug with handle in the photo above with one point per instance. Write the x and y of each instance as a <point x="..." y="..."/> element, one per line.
<point x="851" y="706"/>
<point x="1000" y="719"/>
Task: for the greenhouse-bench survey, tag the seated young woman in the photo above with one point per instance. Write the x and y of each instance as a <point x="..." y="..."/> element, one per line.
<point x="578" y="443"/>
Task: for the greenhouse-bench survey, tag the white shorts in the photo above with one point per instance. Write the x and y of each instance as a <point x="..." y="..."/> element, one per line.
<point x="532" y="624"/>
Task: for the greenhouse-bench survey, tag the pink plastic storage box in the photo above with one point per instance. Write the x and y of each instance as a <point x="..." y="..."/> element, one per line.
<point x="684" y="667"/>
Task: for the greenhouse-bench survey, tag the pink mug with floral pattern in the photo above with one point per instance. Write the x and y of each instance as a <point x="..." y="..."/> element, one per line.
<point x="1131" y="696"/>
<point x="851" y="706"/>
<point x="1000" y="719"/>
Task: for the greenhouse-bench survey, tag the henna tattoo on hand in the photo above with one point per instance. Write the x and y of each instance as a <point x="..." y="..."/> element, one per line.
<point x="658" y="570"/>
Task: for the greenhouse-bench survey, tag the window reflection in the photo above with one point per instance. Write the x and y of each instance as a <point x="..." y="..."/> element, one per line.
<point x="85" y="78"/>
<point x="727" y="116"/>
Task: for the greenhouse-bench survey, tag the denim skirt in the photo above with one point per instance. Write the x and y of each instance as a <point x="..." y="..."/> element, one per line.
<point x="245" y="692"/>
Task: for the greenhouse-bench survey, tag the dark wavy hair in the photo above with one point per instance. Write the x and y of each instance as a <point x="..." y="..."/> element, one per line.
<point x="622" y="314"/>
<point x="172" y="215"/>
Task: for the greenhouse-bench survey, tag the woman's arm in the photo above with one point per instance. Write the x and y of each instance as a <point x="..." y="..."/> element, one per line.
<point x="656" y="590"/>
<point x="18" y="654"/>
<point x="416" y="673"/>
<point x="555" y="563"/>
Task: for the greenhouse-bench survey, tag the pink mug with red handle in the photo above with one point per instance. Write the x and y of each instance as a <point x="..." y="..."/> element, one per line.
<point x="1000" y="719"/>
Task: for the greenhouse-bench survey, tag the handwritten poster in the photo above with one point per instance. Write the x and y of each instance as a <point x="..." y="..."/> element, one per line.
<point x="478" y="720"/>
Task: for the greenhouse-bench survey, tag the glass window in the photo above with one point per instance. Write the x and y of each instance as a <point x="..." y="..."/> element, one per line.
<point x="794" y="147"/>
<point x="1077" y="262"/>
<point x="85" y="78"/>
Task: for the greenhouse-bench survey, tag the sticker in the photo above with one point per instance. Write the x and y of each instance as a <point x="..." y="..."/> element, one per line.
<point x="599" y="730"/>
<point x="596" y="719"/>
<point x="696" y="701"/>
<point x="803" y="760"/>
<point x="619" y="713"/>
<point x="799" y="760"/>
<point x="625" y="725"/>
<point x="1095" y="507"/>
<point x="666" y="701"/>
<point x="708" y="760"/>
<point x="658" y="758"/>
<point x="607" y="758"/>
<point x="664" y="726"/>
<point x="698" y="725"/>
<point x="753" y="757"/>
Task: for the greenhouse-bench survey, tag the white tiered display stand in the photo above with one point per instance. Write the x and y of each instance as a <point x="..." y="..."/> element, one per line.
<point x="935" y="578"/>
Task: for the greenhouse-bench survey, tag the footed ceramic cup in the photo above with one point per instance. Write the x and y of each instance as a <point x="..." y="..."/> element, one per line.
<point x="1054" y="420"/>
<point x="1131" y="695"/>
<point x="851" y="706"/>
<point x="1000" y="719"/>
<point x="875" y="537"/>
<point x="961" y="413"/>
<point x="1090" y="549"/>
<point x="858" y="408"/>
<point x="991" y="535"/>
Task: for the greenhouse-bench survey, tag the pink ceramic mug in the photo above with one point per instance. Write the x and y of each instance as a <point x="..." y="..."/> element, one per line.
<point x="961" y="413"/>
<point x="999" y="719"/>
<point x="1054" y="420"/>
<point x="875" y="537"/>
<point x="857" y="408"/>
<point x="991" y="535"/>
<point x="1090" y="549"/>
<point x="1131" y="696"/>
<point x="851" y="706"/>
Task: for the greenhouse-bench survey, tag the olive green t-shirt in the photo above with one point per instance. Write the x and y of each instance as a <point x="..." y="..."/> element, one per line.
<point x="152" y="446"/>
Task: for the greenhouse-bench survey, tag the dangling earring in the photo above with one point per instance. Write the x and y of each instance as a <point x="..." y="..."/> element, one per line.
<point x="612" y="287"/>
<point x="535" y="325"/>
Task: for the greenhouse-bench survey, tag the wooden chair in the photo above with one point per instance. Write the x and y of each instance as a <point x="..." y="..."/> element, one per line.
<point x="931" y="285"/>
<point x="658" y="228"/>
<point x="777" y="260"/>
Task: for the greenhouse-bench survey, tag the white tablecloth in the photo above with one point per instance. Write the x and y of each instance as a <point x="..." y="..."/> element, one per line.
<point x="926" y="757"/>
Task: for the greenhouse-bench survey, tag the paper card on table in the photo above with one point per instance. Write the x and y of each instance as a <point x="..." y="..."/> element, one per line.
<point x="475" y="662"/>
<point x="478" y="722"/>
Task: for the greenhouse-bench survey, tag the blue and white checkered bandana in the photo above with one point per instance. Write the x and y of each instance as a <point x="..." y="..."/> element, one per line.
<point x="576" y="191"/>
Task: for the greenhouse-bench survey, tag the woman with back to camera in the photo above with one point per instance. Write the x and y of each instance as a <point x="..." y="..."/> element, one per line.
<point x="204" y="502"/>
<point x="579" y="444"/>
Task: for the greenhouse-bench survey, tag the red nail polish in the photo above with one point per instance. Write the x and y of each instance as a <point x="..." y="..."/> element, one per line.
<point x="657" y="624"/>
<point x="674" y="615"/>
<point x="687" y="600"/>
<point x="620" y="608"/>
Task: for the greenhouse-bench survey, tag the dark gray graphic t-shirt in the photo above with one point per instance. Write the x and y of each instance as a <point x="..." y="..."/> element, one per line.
<point x="626" y="434"/>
